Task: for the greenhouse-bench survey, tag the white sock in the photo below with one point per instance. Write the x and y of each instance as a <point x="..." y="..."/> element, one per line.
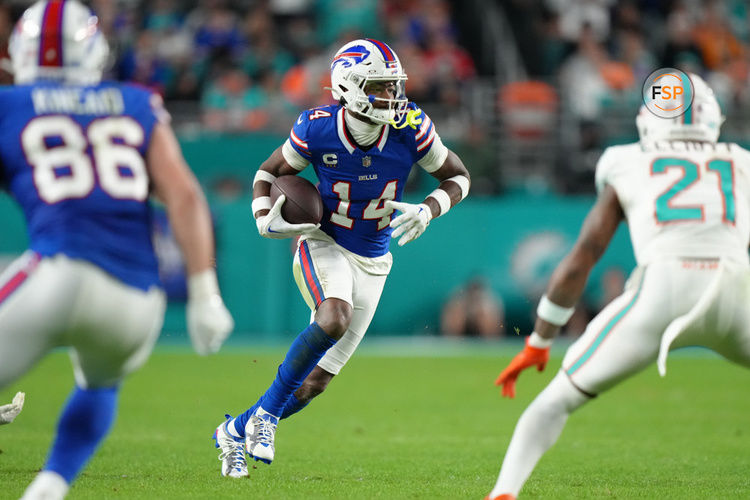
<point x="536" y="431"/>
<point x="47" y="485"/>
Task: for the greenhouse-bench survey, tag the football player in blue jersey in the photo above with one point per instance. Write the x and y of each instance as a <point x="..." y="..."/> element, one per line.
<point x="81" y="158"/>
<point x="362" y="150"/>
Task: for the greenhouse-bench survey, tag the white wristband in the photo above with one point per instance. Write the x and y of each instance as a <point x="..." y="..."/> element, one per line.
<point x="443" y="199"/>
<point x="463" y="183"/>
<point x="552" y="313"/>
<point x="536" y="340"/>
<point x="261" y="203"/>
<point x="262" y="175"/>
<point x="203" y="284"/>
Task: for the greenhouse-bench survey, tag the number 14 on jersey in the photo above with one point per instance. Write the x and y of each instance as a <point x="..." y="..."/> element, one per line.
<point x="374" y="210"/>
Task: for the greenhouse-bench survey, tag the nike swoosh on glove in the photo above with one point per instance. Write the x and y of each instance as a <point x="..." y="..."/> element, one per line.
<point x="272" y="225"/>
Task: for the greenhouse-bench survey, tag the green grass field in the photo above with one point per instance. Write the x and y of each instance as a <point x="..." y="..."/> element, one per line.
<point x="396" y="427"/>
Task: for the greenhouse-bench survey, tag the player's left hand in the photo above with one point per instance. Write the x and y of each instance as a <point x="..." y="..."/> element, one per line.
<point x="208" y="320"/>
<point x="412" y="222"/>
<point x="527" y="358"/>
<point x="9" y="412"/>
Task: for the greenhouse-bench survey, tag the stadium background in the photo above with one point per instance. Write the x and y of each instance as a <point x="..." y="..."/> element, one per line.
<point x="528" y="93"/>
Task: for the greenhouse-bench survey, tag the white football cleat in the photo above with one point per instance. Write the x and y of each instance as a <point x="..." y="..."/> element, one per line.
<point x="232" y="454"/>
<point x="47" y="485"/>
<point x="260" y="432"/>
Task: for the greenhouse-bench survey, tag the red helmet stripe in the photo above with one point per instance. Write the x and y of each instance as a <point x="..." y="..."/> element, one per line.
<point x="50" y="42"/>
<point x="385" y="49"/>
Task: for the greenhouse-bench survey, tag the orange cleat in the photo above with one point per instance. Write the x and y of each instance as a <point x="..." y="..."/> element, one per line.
<point x="504" y="496"/>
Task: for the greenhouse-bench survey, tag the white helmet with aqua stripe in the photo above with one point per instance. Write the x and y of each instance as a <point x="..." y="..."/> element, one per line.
<point x="701" y="121"/>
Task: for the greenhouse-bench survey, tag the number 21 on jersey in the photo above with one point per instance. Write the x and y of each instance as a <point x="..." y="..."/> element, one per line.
<point x="667" y="212"/>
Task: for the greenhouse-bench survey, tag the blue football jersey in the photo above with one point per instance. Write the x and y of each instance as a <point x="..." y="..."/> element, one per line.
<point x="355" y="184"/>
<point x="73" y="158"/>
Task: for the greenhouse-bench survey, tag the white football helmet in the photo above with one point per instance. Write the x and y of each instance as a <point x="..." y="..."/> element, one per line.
<point x="58" y="40"/>
<point x="701" y="122"/>
<point x="362" y="61"/>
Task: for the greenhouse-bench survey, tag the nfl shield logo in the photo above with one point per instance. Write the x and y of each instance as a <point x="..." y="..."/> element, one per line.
<point x="366" y="161"/>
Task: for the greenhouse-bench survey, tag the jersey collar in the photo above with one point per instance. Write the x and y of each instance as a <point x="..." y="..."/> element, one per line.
<point x="346" y="138"/>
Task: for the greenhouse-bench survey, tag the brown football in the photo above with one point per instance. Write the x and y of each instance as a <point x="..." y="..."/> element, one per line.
<point x="303" y="202"/>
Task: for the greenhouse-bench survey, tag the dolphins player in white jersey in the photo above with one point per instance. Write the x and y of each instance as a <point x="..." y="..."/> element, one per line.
<point x="81" y="157"/>
<point x="362" y="150"/>
<point x="686" y="200"/>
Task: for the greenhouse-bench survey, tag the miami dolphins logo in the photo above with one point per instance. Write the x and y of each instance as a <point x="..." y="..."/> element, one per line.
<point x="351" y="56"/>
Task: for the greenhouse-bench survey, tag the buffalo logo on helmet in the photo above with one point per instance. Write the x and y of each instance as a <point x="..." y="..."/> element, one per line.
<point x="352" y="55"/>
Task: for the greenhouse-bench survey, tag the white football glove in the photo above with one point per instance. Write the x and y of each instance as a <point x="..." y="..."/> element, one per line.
<point x="208" y="320"/>
<point x="412" y="222"/>
<point x="272" y="225"/>
<point x="9" y="412"/>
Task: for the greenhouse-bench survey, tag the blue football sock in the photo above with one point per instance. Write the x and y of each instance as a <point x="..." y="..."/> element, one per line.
<point x="240" y="420"/>
<point x="85" y="421"/>
<point x="293" y="406"/>
<point x="303" y="355"/>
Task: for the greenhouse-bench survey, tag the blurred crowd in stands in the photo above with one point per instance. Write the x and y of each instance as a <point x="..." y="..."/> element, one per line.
<point x="252" y="65"/>
<point x="605" y="49"/>
<point x="596" y="54"/>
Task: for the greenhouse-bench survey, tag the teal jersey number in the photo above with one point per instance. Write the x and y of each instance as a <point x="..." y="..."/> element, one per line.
<point x="726" y="185"/>
<point x="666" y="212"/>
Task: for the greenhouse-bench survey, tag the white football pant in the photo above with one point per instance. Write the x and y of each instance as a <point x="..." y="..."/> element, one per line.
<point x="666" y="304"/>
<point x="323" y="270"/>
<point x="51" y="302"/>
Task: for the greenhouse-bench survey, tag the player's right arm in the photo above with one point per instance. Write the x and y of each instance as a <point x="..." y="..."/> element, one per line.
<point x="566" y="286"/>
<point x="570" y="276"/>
<point x="273" y="167"/>
<point x="285" y="160"/>
<point x="176" y="186"/>
<point x="208" y="321"/>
